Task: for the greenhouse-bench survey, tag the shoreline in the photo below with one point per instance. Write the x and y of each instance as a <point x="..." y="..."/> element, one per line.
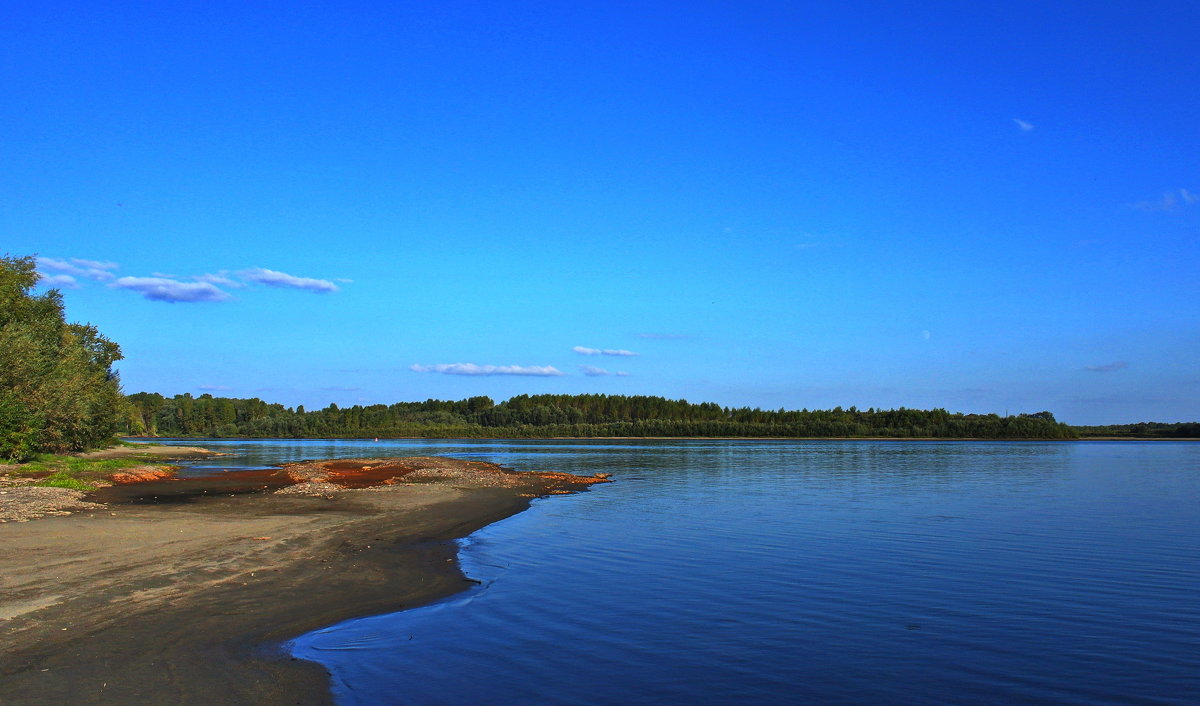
<point x="663" y="438"/>
<point x="191" y="602"/>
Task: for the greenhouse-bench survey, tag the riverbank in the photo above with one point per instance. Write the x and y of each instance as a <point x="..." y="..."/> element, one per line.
<point x="148" y="451"/>
<point x="696" y="438"/>
<point x="186" y="600"/>
<point x="55" y="485"/>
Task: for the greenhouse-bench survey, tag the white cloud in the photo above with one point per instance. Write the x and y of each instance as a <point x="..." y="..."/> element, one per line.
<point x="58" y="281"/>
<point x="162" y="286"/>
<point x="168" y="290"/>
<point x="274" y="278"/>
<point x="1170" y="201"/>
<point x="584" y="350"/>
<point x="90" y="269"/>
<point x="1107" y="367"/>
<point x="1024" y="125"/>
<point x="622" y="374"/>
<point x="214" y="388"/>
<point x="592" y="371"/>
<point x="221" y="277"/>
<point x="926" y="335"/>
<point x="473" y="369"/>
<point x="95" y="264"/>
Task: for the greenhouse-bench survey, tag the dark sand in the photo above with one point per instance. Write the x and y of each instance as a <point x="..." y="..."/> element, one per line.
<point x="186" y="601"/>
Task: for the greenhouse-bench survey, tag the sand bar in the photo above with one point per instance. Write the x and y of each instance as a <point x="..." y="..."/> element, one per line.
<point x="184" y="599"/>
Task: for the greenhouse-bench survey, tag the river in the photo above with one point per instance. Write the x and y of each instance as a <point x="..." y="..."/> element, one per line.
<point x="794" y="571"/>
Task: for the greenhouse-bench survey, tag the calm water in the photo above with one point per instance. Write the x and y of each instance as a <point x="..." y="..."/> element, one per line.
<point x="803" y="571"/>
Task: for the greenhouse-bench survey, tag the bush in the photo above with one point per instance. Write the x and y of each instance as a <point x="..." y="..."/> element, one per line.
<point x="19" y="430"/>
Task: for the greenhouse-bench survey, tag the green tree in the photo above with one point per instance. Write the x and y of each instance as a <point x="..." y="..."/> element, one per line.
<point x="58" y="392"/>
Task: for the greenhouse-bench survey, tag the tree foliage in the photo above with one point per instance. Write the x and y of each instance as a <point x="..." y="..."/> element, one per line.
<point x="526" y="416"/>
<point x="1145" y="430"/>
<point x="58" y="392"/>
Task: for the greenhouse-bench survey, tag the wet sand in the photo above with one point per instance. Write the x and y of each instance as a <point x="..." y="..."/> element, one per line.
<point x="186" y="601"/>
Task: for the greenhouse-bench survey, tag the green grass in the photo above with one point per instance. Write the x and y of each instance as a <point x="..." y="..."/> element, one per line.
<point x="73" y="472"/>
<point x="65" y="480"/>
<point x="134" y="444"/>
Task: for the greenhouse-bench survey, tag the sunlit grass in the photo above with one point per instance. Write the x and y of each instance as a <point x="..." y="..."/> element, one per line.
<point x="134" y="444"/>
<point x="73" y="472"/>
<point x="66" y="480"/>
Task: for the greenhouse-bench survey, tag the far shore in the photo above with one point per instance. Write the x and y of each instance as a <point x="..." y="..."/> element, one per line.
<point x="655" y="438"/>
<point x="188" y="601"/>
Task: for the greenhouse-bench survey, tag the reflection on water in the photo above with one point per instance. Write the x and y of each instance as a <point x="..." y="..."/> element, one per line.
<point x="801" y="571"/>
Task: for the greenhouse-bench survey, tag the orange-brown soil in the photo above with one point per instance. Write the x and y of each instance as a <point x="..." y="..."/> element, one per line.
<point x="371" y="472"/>
<point x="142" y="474"/>
<point x="158" y="485"/>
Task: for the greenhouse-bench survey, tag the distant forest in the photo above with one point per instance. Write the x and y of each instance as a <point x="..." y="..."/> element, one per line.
<point x="1144" y="430"/>
<point x="540" y="416"/>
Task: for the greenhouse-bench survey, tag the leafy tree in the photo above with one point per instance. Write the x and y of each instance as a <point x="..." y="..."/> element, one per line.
<point x="58" y="392"/>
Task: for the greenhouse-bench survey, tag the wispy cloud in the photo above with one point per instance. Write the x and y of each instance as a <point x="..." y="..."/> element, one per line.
<point x="220" y="278"/>
<point x="275" y="278"/>
<point x="339" y="388"/>
<point x="593" y="371"/>
<point x="89" y="269"/>
<point x="160" y="286"/>
<point x="664" y="336"/>
<point x="163" y="289"/>
<point x="584" y="350"/>
<point x="1024" y="125"/>
<point x="214" y="388"/>
<point x="1107" y="367"/>
<point x="58" y="281"/>
<point x="622" y="374"/>
<point x="95" y="264"/>
<point x="1170" y="201"/>
<point x="473" y="369"/>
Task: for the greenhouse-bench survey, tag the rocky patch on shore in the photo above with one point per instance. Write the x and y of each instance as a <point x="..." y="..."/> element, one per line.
<point x="29" y="502"/>
<point x="339" y="474"/>
<point x="325" y="478"/>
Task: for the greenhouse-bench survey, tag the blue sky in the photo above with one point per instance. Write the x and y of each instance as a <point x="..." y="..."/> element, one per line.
<point x="985" y="206"/>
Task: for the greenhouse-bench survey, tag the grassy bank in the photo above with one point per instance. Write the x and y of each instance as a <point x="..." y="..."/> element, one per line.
<point x="75" y="472"/>
<point x="91" y="470"/>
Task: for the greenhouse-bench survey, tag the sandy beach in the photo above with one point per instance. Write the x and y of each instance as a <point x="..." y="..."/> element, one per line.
<point x="168" y="596"/>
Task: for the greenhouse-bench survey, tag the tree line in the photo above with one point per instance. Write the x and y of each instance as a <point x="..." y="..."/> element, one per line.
<point x="1144" y="430"/>
<point x="588" y="415"/>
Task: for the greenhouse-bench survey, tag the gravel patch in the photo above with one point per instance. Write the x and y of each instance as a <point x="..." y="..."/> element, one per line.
<point x="316" y="488"/>
<point x="22" y="503"/>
